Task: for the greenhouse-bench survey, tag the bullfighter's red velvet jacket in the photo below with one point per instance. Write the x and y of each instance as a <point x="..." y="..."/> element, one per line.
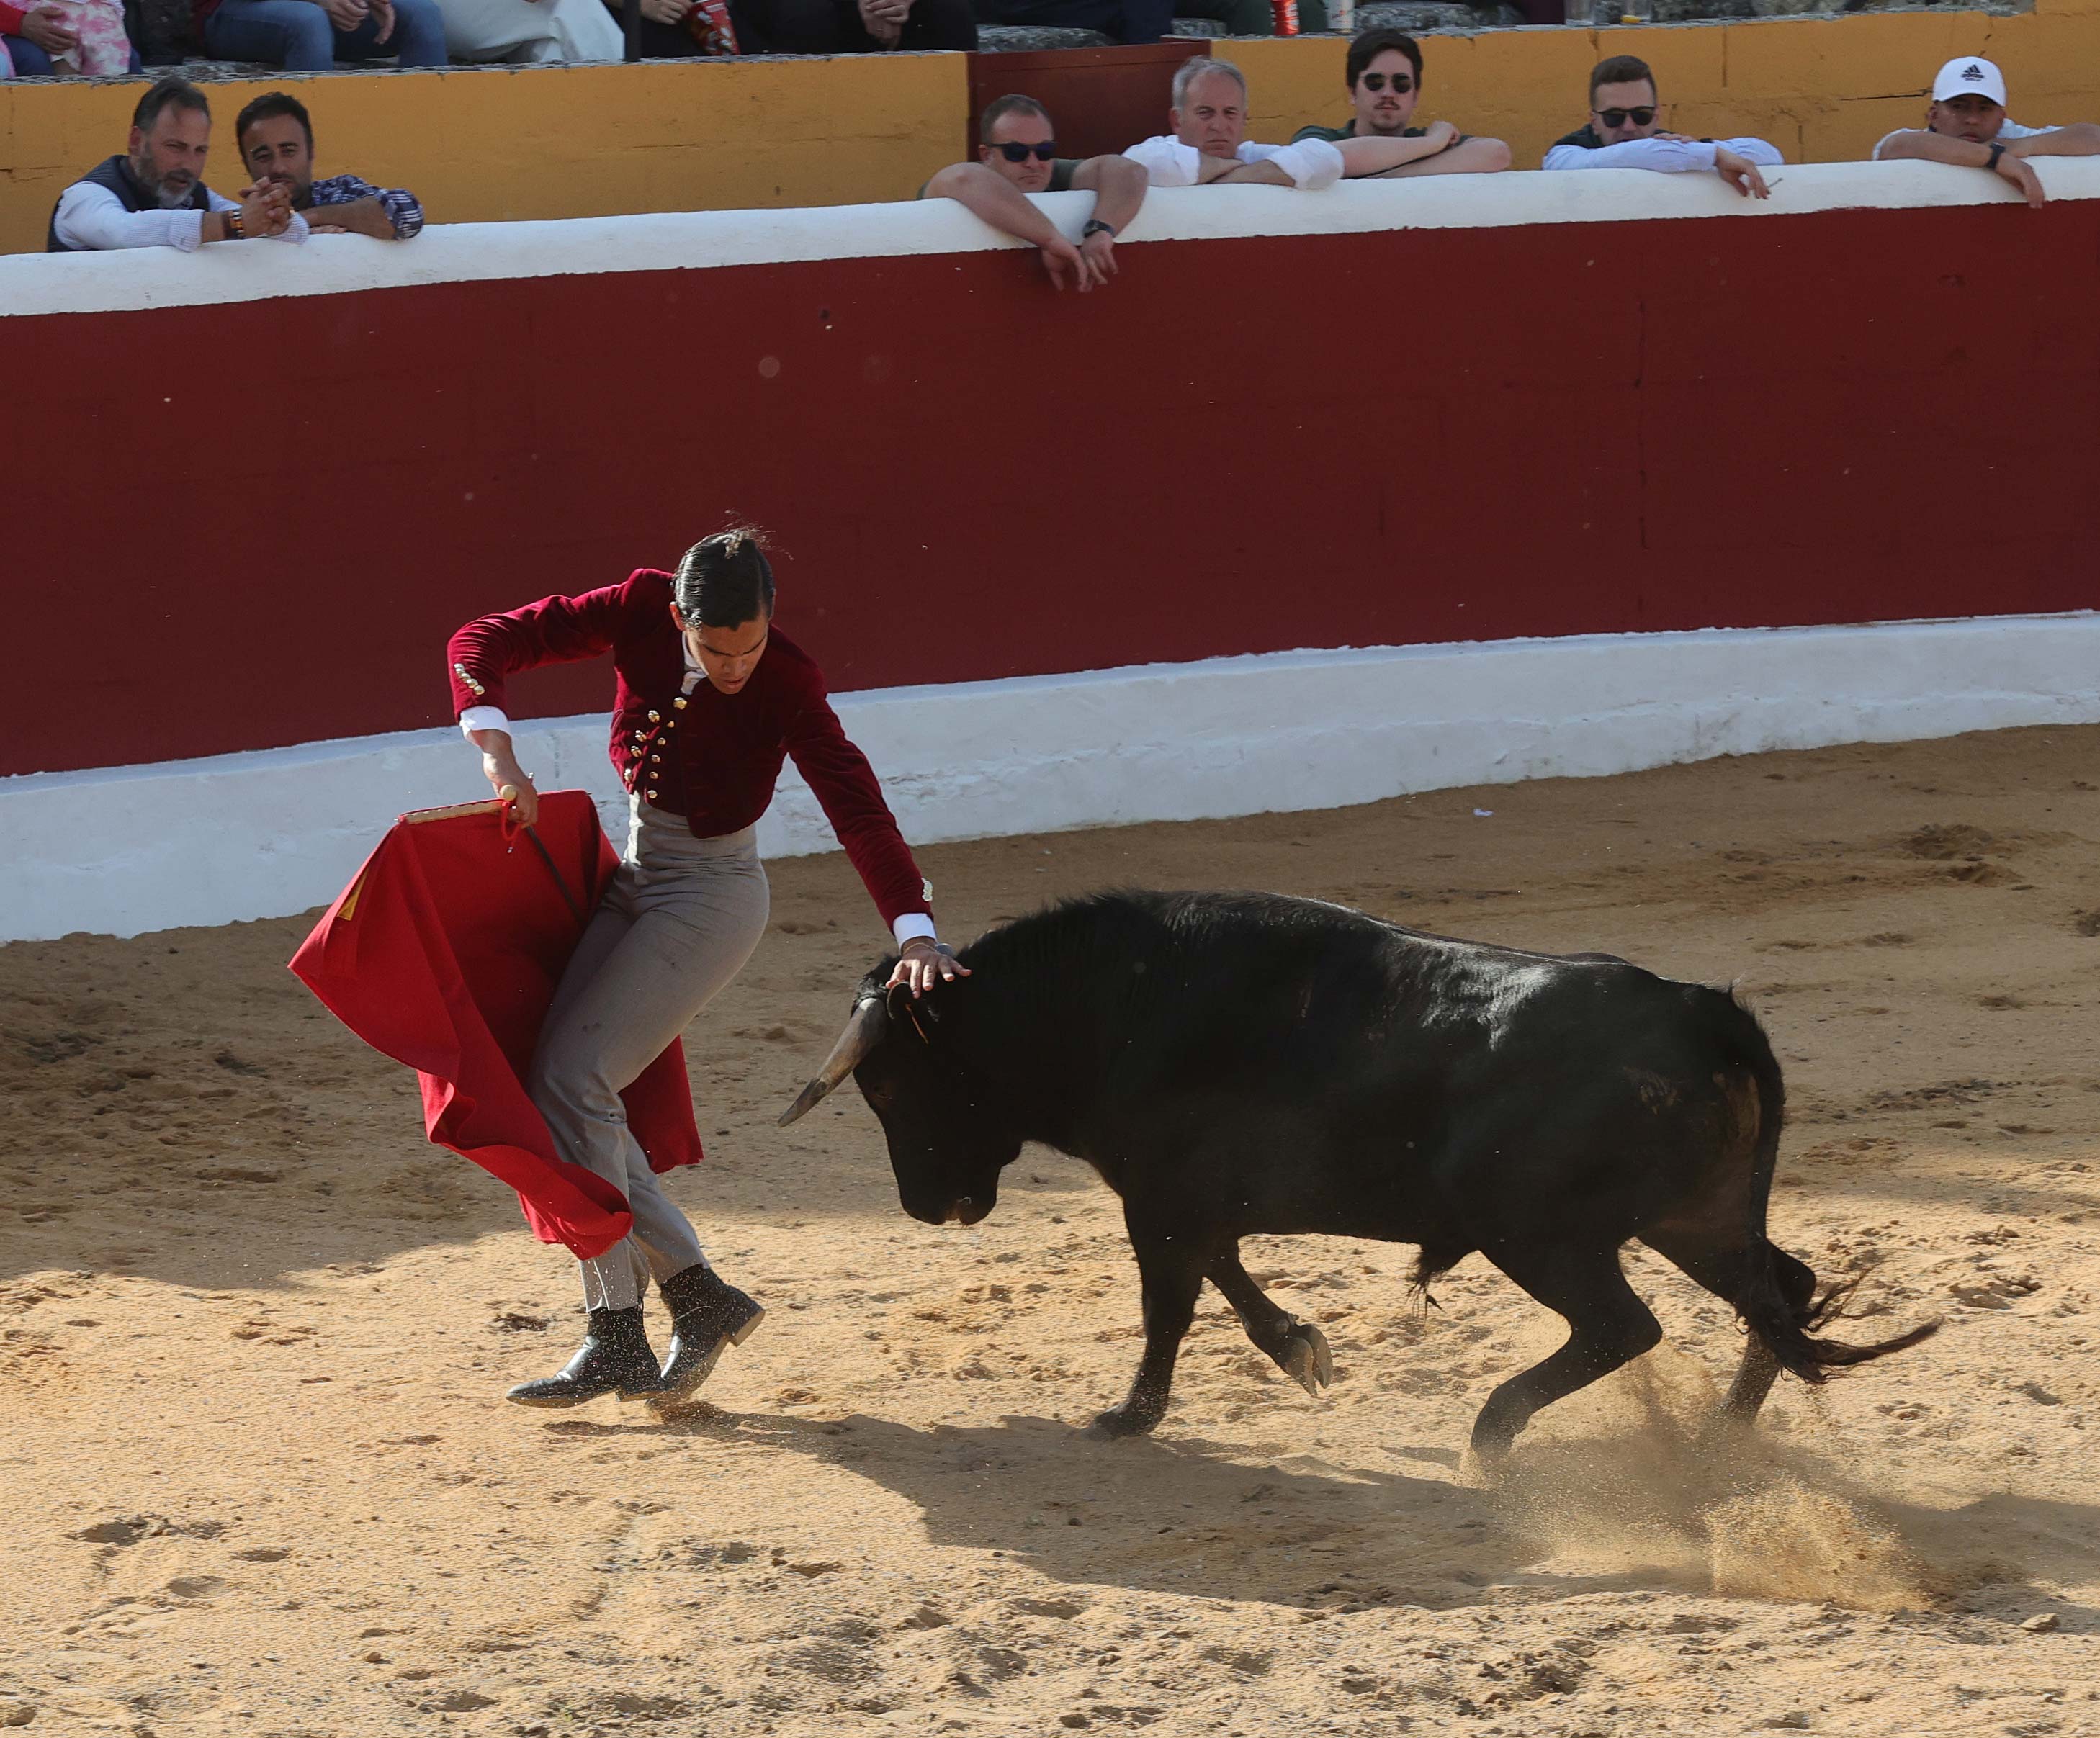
<point x="711" y="757"/>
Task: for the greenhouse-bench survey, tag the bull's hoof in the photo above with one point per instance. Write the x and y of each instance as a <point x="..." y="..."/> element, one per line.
<point x="1123" y="1421"/>
<point x="1307" y="1359"/>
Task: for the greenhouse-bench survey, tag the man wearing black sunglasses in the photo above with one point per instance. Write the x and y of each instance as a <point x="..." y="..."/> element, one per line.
<point x="1384" y="74"/>
<point x="1624" y="132"/>
<point x="1017" y="156"/>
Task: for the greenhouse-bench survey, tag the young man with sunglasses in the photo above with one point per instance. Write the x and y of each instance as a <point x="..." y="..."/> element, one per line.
<point x="1017" y="156"/>
<point x="1384" y="74"/>
<point x="1624" y="133"/>
<point x="1967" y="126"/>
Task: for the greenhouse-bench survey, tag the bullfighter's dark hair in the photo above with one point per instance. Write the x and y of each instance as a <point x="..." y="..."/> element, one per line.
<point x="1000" y="108"/>
<point x="1620" y="69"/>
<point x="174" y="92"/>
<point x="1370" y="44"/>
<point x="271" y="104"/>
<point x="725" y="580"/>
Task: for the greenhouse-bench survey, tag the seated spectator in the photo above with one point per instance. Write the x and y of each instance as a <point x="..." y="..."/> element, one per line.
<point x="155" y="196"/>
<point x="1967" y="126"/>
<point x="852" y="27"/>
<point x="678" y="29"/>
<point x="276" y="139"/>
<point x="42" y="40"/>
<point x="311" y="35"/>
<point x="1384" y="73"/>
<point x="515" y="32"/>
<point x="1624" y="133"/>
<point x="1254" y="17"/>
<point x="1126" y="22"/>
<point x="1137" y="21"/>
<point x="1209" y="142"/>
<point x="1017" y="156"/>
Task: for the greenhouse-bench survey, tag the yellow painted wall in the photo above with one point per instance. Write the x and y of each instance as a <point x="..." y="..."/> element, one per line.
<point x="480" y="144"/>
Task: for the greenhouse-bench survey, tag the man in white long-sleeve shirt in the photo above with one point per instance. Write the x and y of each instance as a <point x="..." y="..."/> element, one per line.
<point x="154" y="195"/>
<point x="1209" y="142"/>
<point x="1624" y="132"/>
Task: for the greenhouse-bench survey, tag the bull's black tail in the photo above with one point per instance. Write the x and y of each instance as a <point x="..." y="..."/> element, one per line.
<point x="1789" y="1335"/>
<point x="1785" y="1325"/>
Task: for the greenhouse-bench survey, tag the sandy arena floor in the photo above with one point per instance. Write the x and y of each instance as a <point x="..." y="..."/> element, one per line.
<point x="254" y="1335"/>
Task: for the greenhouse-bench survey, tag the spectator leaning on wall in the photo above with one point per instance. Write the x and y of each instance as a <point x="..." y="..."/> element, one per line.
<point x="1967" y="126"/>
<point x="1384" y="76"/>
<point x="1624" y="133"/>
<point x="311" y="35"/>
<point x="1017" y="156"/>
<point x="155" y="195"/>
<point x="275" y="139"/>
<point x="1209" y="142"/>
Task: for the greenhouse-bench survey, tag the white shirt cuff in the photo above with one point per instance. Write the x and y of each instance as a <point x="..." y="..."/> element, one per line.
<point x="1311" y="164"/>
<point x="910" y="924"/>
<point x="483" y="718"/>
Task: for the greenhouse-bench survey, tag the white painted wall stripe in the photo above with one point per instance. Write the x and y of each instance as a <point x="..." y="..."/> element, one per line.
<point x="130" y="849"/>
<point x="33" y="284"/>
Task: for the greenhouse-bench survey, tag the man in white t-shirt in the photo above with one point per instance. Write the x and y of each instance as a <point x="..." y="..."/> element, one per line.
<point x="1209" y="142"/>
<point x="1626" y="131"/>
<point x="1967" y="126"/>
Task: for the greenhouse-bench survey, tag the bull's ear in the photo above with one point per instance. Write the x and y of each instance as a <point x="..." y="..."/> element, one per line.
<point x="905" y="1010"/>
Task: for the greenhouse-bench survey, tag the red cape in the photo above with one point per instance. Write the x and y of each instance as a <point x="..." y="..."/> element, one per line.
<point x="443" y="952"/>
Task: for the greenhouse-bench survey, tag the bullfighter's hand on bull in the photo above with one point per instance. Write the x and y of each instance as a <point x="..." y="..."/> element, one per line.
<point x="923" y="963"/>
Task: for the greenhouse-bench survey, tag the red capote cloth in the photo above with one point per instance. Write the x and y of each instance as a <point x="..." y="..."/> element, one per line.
<point x="443" y="952"/>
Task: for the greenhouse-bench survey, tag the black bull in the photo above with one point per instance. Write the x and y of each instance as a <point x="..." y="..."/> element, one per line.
<point x="1242" y="1063"/>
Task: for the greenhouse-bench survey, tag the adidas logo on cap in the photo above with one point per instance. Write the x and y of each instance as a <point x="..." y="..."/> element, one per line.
<point x="1973" y="72"/>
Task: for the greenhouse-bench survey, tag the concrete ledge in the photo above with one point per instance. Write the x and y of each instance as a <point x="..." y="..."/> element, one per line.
<point x="42" y="283"/>
<point x="125" y="849"/>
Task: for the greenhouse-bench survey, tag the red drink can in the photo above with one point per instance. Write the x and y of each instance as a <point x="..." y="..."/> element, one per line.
<point x="708" y="24"/>
<point x="1286" y="14"/>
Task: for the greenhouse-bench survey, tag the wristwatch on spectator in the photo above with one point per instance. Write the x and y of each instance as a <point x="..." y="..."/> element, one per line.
<point x="1997" y="150"/>
<point x="1095" y="226"/>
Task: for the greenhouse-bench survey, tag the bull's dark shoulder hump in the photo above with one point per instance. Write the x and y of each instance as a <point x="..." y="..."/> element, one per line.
<point x="1209" y="958"/>
<point x="1150" y="918"/>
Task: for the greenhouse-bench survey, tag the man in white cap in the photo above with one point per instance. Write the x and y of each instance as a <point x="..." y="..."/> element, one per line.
<point x="1967" y="126"/>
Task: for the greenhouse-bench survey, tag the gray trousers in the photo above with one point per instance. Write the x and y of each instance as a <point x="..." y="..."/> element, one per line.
<point x="680" y="917"/>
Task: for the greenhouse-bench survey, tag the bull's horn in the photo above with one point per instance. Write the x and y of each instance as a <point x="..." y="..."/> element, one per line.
<point x="863" y="1031"/>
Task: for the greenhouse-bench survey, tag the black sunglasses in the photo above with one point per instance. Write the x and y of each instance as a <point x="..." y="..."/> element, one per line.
<point x="1016" y="153"/>
<point x="1374" y="82"/>
<point x="1616" y="117"/>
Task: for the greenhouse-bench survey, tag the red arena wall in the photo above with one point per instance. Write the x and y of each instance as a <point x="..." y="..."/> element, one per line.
<point x="1406" y="436"/>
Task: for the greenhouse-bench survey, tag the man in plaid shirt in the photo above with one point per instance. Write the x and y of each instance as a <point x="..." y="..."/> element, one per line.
<point x="275" y="140"/>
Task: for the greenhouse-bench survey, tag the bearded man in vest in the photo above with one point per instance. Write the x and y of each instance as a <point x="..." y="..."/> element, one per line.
<point x="154" y="195"/>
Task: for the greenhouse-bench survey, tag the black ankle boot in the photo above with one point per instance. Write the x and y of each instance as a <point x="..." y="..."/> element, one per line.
<point x="616" y="1359"/>
<point x="708" y="1315"/>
